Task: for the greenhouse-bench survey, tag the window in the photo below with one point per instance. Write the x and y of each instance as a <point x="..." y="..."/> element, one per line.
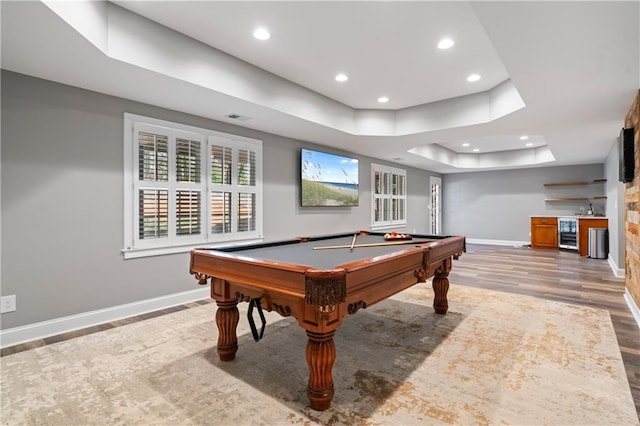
<point x="389" y="195"/>
<point x="186" y="186"/>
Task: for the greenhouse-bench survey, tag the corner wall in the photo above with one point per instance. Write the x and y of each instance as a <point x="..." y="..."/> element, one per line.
<point x="632" y="210"/>
<point x="615" y="211"/>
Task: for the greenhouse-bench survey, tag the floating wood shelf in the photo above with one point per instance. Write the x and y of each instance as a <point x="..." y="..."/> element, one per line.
<point x="581" y="183"/>
<point x="574" y="183"/>
<point x="567" y="199"/>
<point x="573" y="198"/>
<point x="566" y="184"/>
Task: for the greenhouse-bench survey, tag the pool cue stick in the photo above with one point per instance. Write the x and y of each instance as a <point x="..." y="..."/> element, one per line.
<point x="353" y="242"/>
<point x="390" y="243"/>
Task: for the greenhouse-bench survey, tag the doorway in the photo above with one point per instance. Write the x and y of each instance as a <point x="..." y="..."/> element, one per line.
<point x="435" y="205"/>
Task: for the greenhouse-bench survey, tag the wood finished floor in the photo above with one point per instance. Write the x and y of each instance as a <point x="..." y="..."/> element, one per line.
<point x="561" y="276"/>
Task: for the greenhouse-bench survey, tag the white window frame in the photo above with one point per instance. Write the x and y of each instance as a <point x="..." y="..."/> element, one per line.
<point x="135" y="247"/>
<point x="390" y="223"/>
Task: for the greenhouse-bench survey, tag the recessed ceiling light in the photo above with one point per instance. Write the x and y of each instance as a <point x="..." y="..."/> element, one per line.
<point x="383" y="99"/>
<point x="342" y="77"/>
<point x="473" y="77"/>
<point x="476" y="149"/>
<point x="445" y="43"/>
<point x="524" y="137"/>
<point x="466" y="144"/>
<point x="261" y="34"/>
<point x="529" y="144"/>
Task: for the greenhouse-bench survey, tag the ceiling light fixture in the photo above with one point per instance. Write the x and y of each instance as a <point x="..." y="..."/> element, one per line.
<point x="383" y="99"/>
<point x="524" y="137"/>
<point x="261" y="34"/>
<point x="466" y="144"/>
<point x="342" y="77"/>
<point x="473" y="77"/>
<point x="445" y="43"/>
<point x="529" y="144"/>
<point x="476" y="149"/>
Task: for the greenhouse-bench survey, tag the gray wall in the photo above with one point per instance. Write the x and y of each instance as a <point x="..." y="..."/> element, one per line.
<point x="498" y="205"/>
<point x="615" y="208"/>
<point x="62" y="201"/>
<point x="285" y="218"/>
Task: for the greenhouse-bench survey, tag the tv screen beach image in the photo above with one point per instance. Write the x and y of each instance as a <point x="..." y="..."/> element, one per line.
<point x="328" y="179"/>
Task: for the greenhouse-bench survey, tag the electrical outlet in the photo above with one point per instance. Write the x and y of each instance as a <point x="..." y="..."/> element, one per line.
<point x="7" y="304"/>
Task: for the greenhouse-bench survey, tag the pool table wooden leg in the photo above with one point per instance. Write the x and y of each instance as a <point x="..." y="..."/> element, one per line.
<point x="440" y="288"/>
<point x="321" y="354"/>
<point x="227" y="317"/>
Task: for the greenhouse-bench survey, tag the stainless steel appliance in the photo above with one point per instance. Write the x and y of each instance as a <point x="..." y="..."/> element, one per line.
<point x="598" y="243"/>
<point x="568" y="233"/>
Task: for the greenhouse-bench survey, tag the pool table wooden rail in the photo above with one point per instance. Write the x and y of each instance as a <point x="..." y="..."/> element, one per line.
<point x="319" y="299"/>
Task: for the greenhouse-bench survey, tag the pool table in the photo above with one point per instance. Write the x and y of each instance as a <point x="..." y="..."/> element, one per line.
<point x="318" y="281"/>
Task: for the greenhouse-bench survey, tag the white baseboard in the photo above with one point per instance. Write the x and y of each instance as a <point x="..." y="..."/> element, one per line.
<point x="632" y="306"/>
<point x="39" y="330"/>
<point x="498" y="242"/>
<point x="619" y="273"/>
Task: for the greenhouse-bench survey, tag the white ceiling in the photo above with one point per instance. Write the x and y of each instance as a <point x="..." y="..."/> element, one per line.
<point x="386" y="48"/>
<point x="569" y="71"/>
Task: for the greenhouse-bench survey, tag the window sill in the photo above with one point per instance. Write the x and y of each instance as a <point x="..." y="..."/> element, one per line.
<point x="161" y="251"/>
<point x="392" y="226"/>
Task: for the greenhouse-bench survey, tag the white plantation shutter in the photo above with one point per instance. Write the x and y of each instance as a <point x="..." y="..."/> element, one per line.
<point x="220" y="212"/>
<point x="389" y="196"/>
<point x="221" y="160"/>
<point x="398" y="199"/>
<point x="235" y="186"/>
<point x="221" y="165"/>
<point x="189" y="212"/>
<point x="153" y="208"/>
<point x="152" y="182"/>
<point x="188" y="160"/>
<point x="246" y="212"/>
<point x="188" y="186"/>
<point x="153" y="156"/>
<point x="246" y="167"/>
<point x="247" y="193"/>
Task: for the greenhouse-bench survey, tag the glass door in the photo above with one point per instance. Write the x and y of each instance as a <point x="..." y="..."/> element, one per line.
<point x="435" y="205"/>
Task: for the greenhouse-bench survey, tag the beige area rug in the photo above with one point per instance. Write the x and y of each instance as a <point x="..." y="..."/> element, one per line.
<point x="495" y="358"/>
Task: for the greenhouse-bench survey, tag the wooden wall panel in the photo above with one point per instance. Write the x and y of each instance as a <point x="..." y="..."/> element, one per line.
<point x="632" y="210"/>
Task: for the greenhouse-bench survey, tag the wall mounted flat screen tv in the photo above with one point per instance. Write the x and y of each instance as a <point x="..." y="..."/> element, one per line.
<point x="626" y="155"/>
<point x="328" y="179"/>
